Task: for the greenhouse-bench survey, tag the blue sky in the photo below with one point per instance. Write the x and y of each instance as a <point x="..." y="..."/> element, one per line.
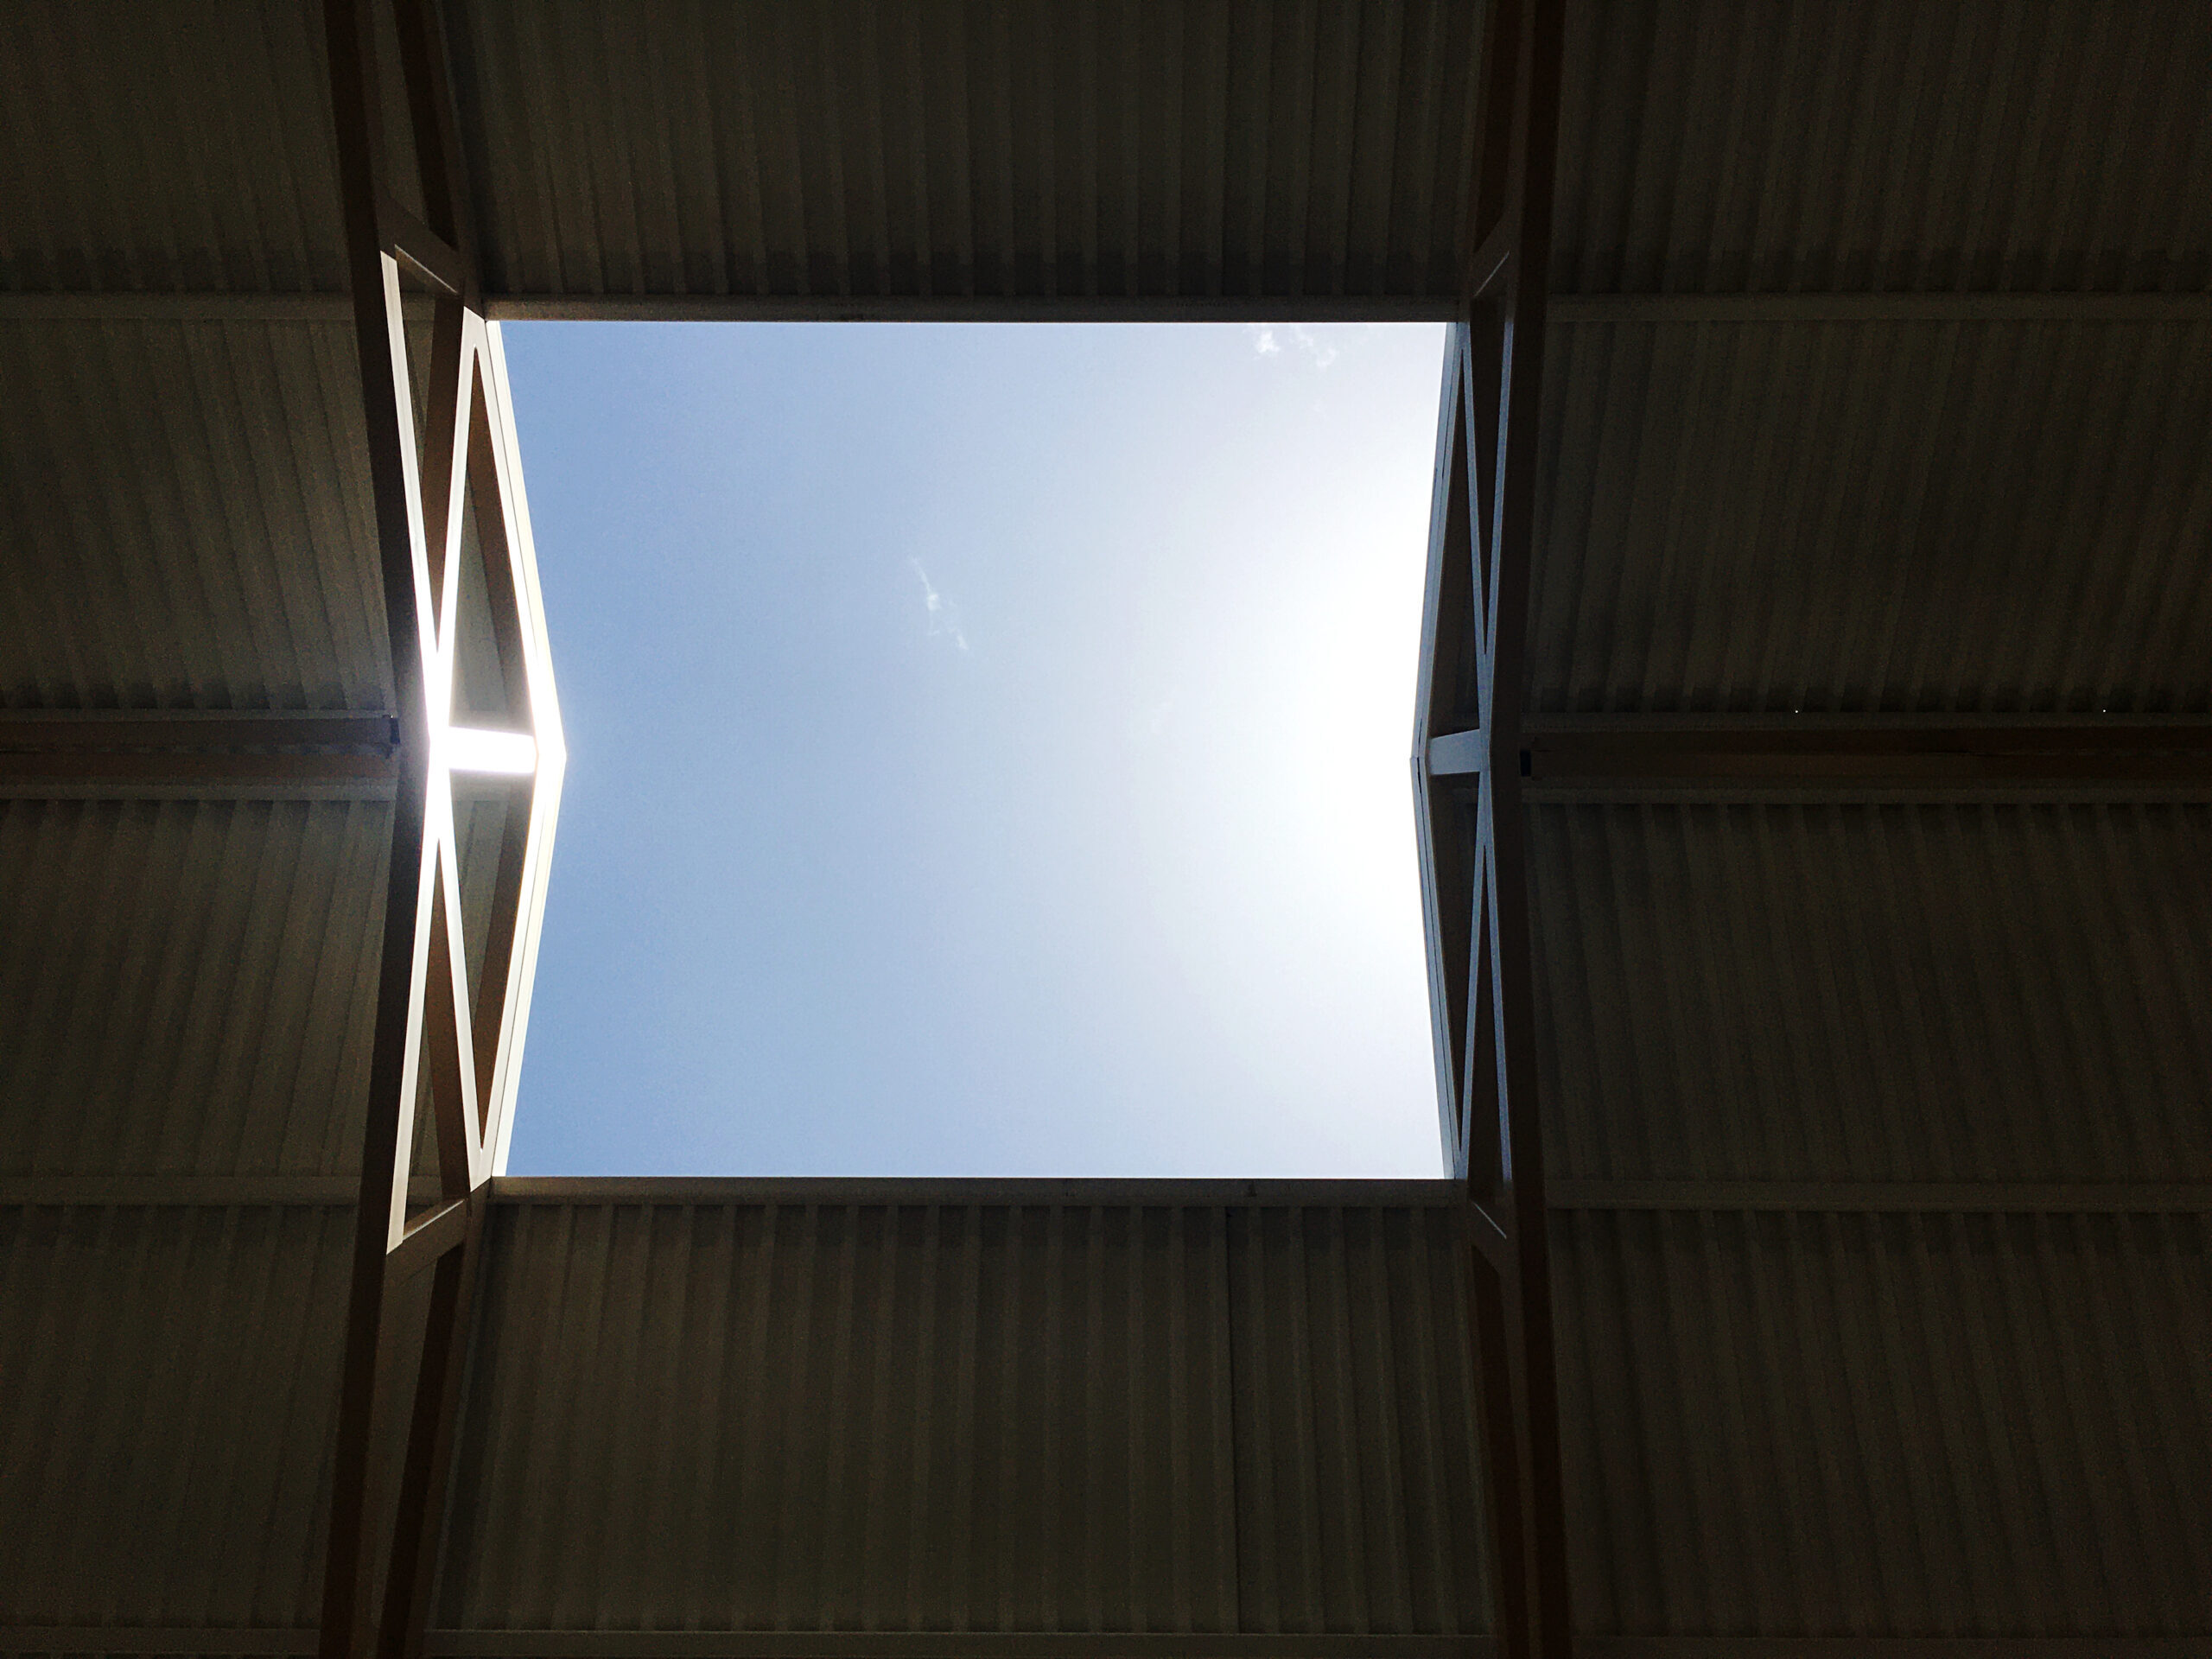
<point x="987" y="749"/>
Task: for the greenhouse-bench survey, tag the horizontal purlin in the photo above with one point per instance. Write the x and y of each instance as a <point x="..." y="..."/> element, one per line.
<point x="1941" y="751"/>
<point x="192" y="748"/>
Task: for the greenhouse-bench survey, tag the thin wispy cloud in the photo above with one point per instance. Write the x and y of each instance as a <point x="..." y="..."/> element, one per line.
<point x="1267" y="339"/>
<point x="943" y="614"/>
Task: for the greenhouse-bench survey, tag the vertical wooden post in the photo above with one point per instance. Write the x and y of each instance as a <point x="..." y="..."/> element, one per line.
<point x="432" y="1026"/>
<point x="1468" y="775"/>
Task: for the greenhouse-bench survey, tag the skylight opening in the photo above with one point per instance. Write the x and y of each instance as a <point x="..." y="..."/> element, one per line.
<point x="986" y="748"/>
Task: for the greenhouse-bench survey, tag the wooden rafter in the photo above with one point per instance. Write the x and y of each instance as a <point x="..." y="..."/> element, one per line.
<point x="1477" y="758"/>
<point x="1566" y="310"/>
<point x="181" y="749"/>
<point x="1950" y="752"/>
<point x="264" y="1640"/>
<point x="1469" y="815"/>
<point x="438" y="1028"/>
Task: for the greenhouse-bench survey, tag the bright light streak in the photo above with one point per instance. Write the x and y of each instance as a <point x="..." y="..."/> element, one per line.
<point x="512" y="753"/>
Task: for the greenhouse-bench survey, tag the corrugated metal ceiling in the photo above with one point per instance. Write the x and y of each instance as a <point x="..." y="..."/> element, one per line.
<point x="1827" y="1422"/>
<point x="2006" y="516"/>
<point x="1843" y="1424"/>
<point x="188" y="518"/>
<point x="168" y="149"/>
<point x="1808" y="1423"/>
<point x="166" y="1412"/>
<point x="860" y="150"/>
<point x="1836" y="1425"/>
<point x="1212" y="148"/>
<point x="1864" y="993"/>
<point x="1796" y="146"/>
<point x="964" y="1414"/>
<point x="189" y="984"/>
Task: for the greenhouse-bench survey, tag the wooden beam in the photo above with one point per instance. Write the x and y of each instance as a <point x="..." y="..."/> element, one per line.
<point x="156" y="1639"/>
<point x="1490" y="264"/>
<point x="422" y="1014"/>
<point x="188" y="767"/>
<point x="203" y="1191"/>
<point x="1569" y="310"/>
<point x="1490" y="1237"/>
<point x="1459" y="754"/>
<point x="231" y="307"/>
<point x="1936" y="752"/>
<point x="1469" y="817"/>
<point x="356" y="101"/>
<point x="1935" y="1197"/>
<point x="435" y="1031"/>
<point x="189" y="748"/>
<point x="1897" y="1647"/>
<point x="766" y="1645"/>
<point x="427" y="1241"/>
<point x="935" y="1192"/>
<point x="429" y="255"/>
<point x="412" y="1574"/>
<point x="1447" y="701"/>
<point x="998" y="1644"/>
<point x="1060" y="308"/>
<point x="1885" y="1197"/>
<point x="1566" y="310"/>
<point x="245" y="789"/>
<point x="947" y="1644"/>
<point x="226" y="306"/>
<point x="61" y="729"/>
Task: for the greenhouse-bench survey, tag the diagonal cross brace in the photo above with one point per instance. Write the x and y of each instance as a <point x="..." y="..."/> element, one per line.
<point x="448" y="502"/>
<point x="1469" y="817"/>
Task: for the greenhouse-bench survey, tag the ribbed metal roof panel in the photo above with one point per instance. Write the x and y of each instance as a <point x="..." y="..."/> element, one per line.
<point x="1217" y="147"/>
<point x="1886" y="145"/>
<point x="170" y="148"/>
<point x="189" y="524"/>
<point x="166" y="1412"/>
<point x="1848" y="517"/>
<point x="1873" y="993"/>
<point x="1882" y="1425"/>
<point x="866" y="150"/>
<point x="189" y="985"/>
<point x="970" y="1416"/>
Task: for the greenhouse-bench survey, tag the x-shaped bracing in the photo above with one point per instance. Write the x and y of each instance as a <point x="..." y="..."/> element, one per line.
<point x="1468" y="766"/>
<point x="444" y="1028"/>
<point x="463" y="1034"/>
<point x="1468" y="809"/>
<point x="452" y="531"/>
